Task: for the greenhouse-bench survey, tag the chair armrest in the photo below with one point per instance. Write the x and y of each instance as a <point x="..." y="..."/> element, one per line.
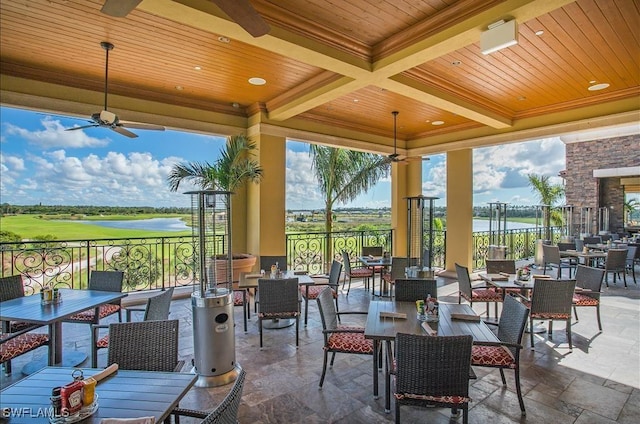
<point x="482" y="287"/>
<point x="129" y="310"/>
<point x="343" y="330"/>
<point x="189" y="413"/>
<point x="352" y="313"/>
<point x="505" y="344"/>
<point x="179" y="366"/>
<point x="581" y="290"/>
<point x="526" y="299"/>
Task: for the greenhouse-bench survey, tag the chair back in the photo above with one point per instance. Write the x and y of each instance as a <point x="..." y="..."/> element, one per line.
<point x="327" y="308"/>
<point x="398" y="266"/>
<point x="144" y="345"/>
<point x="433" y="365"/>
<point x="631" y="254"/>
<point x="579" y="245"/>
<point x="227" y="410"/>
<point x="589" y="278"/>
<point x="564" y="246"/>
<point x="411" y="290"/>
<point x="278" y="295"/>
<point x="551" y="254"/>
<point x="106" y="280"/>
<point x="372" y="250"/>
<point x="616" y="260"/>
<point x="426" y="257"/>
<point x="592" y="240"/>
<point x="552" y="296"/>
<point x="334" y="274"/>
<point x="346" y="261"/>
<point x="496" y="266"/>
<point x="513" y="321"/>
<point x="11" y="287"/>
<point x="158" y="306"/>
<point x="267" y="261"/>
<point x="464" y="281"/>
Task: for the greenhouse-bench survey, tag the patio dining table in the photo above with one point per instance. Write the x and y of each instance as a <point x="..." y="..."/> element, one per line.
<point x="29" y="309"/>
<point x="376" y="263"/>
<point x="124" y="394"/>
<point x="590" y="257"/>
<point x="249" y="280"/>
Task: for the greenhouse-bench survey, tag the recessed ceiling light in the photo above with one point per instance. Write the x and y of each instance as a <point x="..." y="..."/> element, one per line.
<point x="597" y="87"/>
<point x="257" y="81"/>
<point x="437" y="123"/>
<point x="522" y="98"/>
<point x="539" y="32"/>
<point x="593" y="82"/>
<point x="197" y="68"/>
<point x="179" y="87"/>
<point x="355" y="100"/>
<point x="223" y="39"/>
<point x="456" y="63"/>
<point x="235" y="104"/>
<point x="427" y="121"/>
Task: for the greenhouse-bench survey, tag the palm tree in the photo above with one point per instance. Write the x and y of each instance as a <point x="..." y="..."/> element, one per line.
<point x="630" y="206"/>
<point x="234" y="167"/>
<point x="343" y="175"/>
<point x="548" y="194"/>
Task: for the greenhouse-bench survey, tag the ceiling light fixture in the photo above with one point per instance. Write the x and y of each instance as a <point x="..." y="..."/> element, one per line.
<point x="500" y="35"/>
<point x="257" y="81"/>
<point x="597" y="87"/>
<point x="539" y="32"/>
<point x="197" y="68"/>
<point x="437" y="123"/>
<point x="223" y="39"/>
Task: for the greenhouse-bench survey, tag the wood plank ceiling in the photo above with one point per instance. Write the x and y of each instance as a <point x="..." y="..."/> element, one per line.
<point x="335" y="69"/>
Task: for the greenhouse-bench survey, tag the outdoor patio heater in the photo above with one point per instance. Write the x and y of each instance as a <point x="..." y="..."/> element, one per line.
<point x="214" y="341"/>
<point x="420" y="234"/>
<point x="603" y="220"/>
<point x="568" y="230"/>
<point x="586" y="221"/>
<point x="497" y="231"/>
<point x="543" y="232"/>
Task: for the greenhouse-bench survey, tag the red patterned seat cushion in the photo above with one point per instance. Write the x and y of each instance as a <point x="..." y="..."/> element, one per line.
<point x="237" y="298"/>
<point x="273" y="315"/>
<point x="492" y="356"/>
<point x="15" y="326"/>
<point x="89" y="314"/>
<point x="539" y="315"/>
<point x="584" y="300"/>
<point x="483" y="295"/>
<point x="21" y="344"/>
<point x="315" y="290"/>
<point x="361" y="272"/>
<point x="103" y="342"/>
<point x="455" y="400"/>
<point x="349" y="342"/>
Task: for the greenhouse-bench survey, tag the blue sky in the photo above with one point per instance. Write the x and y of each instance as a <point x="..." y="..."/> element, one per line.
<point x="42" y="163"/>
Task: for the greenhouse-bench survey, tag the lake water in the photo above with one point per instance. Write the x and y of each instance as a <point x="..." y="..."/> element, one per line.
<point x="176" y="224"/>
<point x="153" y="224"/>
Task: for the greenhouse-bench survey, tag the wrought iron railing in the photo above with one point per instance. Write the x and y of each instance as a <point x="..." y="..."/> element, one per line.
<point x="161" y="262"/>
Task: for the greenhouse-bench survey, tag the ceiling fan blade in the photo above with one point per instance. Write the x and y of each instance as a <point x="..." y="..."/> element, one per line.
<point x="82" y="127"/>
<point x="141" y="126"/>
<point x="124" y="132"/>
<point x="119" y="8"/>
<point x="416" y="158"/>
<point x="243" y="13"/>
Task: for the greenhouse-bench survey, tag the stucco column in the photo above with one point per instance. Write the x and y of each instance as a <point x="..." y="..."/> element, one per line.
<point x="406" y="181"/>
<point x="266" y="201"/>
<point x="459" y="210"/>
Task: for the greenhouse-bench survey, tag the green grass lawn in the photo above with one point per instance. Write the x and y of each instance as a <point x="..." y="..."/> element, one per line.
<point x="61" y="228"/>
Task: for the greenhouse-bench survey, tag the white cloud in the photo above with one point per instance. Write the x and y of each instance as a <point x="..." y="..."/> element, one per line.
<point x="55" y="136"/>
<point x="301" y="185"/>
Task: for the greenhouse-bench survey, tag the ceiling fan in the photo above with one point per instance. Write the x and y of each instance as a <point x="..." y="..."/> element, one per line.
<point x="108" y="119"/>
<point x="395" y="156"/>
<point x="240" y="11"/>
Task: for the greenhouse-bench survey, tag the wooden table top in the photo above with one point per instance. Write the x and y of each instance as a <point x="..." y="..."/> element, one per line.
<point x="588" y="255"/>
<point x="374" y="261"/>
<point x="508" y="282"/>
<point x="249" y="280"/>
<point x="387" y="328"/>
<point x="29" y="309"/>
<point x="125" y="394"/>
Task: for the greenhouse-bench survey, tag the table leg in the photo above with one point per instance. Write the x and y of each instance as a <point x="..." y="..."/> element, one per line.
<point x="376" y="343"/>
<point x="244" y="309"/>
<point x="387" y="379"/>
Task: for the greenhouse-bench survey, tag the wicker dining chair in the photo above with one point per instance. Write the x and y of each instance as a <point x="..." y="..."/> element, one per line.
<point x="551" y="300"/>
<point x="310" y="292"/>
<point x="410" y="290"/>
<point x="105" y="281"/>
<point x="587" y="292"/>
<point x="339" y="338"/>
<point x="476" y="293"/>
<point x="615" y="262"/>
<point x="505" y="354"/>
<point x="11" y="287"/>
<point x="18" y="343"/>
<point x="144" y="345"/>
<point x="157" y="309"/>
<point x="225" y="413"/>
<point x="432" y="371"/>
<point x="551" y="256"/>
<point x="350" y="273"/>
<point x="630" y="264"/>
<point x="278" y="299"/>
<point x="496" y="266"/>
<point x="399" y="265"/>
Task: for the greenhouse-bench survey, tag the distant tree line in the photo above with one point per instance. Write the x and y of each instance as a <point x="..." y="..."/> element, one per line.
<point x="7" y="209"/>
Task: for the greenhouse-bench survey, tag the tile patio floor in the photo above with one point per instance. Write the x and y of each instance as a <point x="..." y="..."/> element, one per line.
<point x="599" y="382"/>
